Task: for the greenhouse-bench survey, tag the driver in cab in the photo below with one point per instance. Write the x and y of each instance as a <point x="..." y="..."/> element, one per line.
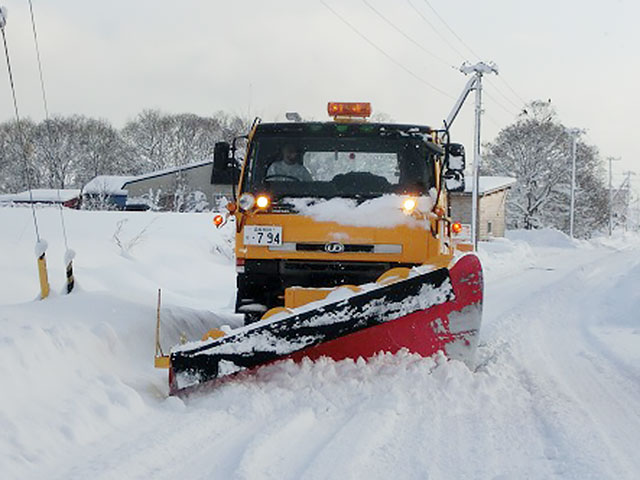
<point x="289" y="167"/>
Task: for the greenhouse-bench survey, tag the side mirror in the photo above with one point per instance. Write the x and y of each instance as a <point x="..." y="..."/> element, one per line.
<point x="453" y="180"/>
<point x="455" y="157"/>
<point x="222" y="173"/>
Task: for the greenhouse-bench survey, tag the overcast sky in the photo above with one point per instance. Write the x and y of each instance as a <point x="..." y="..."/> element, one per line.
<point x="111" y="59"/>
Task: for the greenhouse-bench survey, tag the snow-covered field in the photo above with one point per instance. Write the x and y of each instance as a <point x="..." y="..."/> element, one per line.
<point x="556" y="393"/>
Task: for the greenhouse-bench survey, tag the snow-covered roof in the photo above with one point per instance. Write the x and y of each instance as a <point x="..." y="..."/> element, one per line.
<point x="489" y="184"/>
<point x="167" y="171"/>
<point x="42" y="195"/>
<point x="107" y="184"/>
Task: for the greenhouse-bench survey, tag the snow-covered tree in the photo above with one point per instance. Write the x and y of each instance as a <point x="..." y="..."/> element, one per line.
<point x="57" y="148"/>
<point x="536" y="150"/>
<point x="103" y="152"/>
<point x="161" y="141"/>
<point x="148" y="137"/>
<point x="68" y="151"/>
<point x="16" y="156"/>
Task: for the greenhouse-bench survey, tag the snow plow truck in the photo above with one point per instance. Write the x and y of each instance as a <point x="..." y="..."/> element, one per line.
<point x="344" y="247"/>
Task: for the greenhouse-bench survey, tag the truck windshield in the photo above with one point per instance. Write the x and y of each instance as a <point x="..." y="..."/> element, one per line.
<point x="354" y="162"/>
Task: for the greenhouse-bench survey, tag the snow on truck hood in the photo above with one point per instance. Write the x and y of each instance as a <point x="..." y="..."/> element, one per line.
<point x="382" y="212"/>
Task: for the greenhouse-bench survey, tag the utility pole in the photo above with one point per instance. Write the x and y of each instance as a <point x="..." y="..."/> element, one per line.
<point x="611" y="159"/>
<point x="627" y="184"/>
<point x="478" y="70"/>
<point x="574" y="132"/>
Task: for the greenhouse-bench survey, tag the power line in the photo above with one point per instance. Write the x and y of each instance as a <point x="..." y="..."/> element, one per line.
<point x="500" y="105"/>
<point x="46" y="113"/>
<point x="514" y="104"/>
<point x="495" y="100"/>
<point x="398" y="29"/>
<point x="451" y="30"/>
<point x="524" y="102"/>
<point x="401" y="32"/>
<point x="21" y="133"/>
<point x="389" y="57"/>
<point x="413" y="74"/>
<point x="35" y="40"/>
<point x="426" y="20"/>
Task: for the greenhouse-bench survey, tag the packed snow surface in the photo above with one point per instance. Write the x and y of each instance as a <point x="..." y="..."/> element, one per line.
<point x="555" y="394"/>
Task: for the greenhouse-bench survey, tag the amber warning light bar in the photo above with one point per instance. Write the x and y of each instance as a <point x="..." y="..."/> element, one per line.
<point x="349" y="109"/>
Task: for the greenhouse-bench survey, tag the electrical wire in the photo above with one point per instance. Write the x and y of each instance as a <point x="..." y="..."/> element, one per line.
<point x="401" y="32"/>
<point x="459" y="38"/>
<point x="35" y="41"/>
<point x="388" y="56"/>
<point x="433" y="27"/>
<point x="452" y="30"/>
<point x="524" y="102"/>
<point x="19" y="127"/>
<point x="499" y="104"/>
<point x="495" y="87"/>
<point x="46" y="112"/>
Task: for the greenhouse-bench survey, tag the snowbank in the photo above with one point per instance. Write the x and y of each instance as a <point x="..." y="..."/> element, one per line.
<point x="543" y="237"/>
<point x="76" y="367"/>
<point x="555" y="394"/>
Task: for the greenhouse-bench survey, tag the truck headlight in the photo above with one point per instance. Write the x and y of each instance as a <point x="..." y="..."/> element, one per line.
<point x="262" y="201"/>
<point x="409" y="205"/>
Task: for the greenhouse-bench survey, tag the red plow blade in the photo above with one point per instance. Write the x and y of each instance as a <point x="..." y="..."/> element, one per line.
<point x="425" y="313"/>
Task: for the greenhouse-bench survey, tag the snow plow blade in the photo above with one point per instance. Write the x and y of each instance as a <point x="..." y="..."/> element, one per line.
<point x="425" y="313"/>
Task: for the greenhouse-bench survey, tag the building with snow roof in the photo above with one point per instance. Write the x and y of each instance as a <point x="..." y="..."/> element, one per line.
<point x="106" y="192"/>
<point x="187" y="187"/>
<point x="492" y="199"/>
<point x="68" y="197"/>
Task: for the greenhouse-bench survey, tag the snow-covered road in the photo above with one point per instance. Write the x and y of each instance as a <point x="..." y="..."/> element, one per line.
<point x="556" y="393"/>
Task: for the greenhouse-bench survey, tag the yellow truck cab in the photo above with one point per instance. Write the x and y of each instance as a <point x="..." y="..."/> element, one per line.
<point x="323" y="204"/>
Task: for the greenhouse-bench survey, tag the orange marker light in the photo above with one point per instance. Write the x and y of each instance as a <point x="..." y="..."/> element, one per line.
<point x="218" y="220"/>
<point x="349" y="109"/>
<point x="262" y="201"/>
<point x="456" y="227"/>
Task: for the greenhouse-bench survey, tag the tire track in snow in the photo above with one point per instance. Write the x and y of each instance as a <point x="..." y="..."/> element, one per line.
<point x="281" y="451"/>
<point x="569" y="398"/>
<point x="352" y="450"/>
<point x="168" y="449"/>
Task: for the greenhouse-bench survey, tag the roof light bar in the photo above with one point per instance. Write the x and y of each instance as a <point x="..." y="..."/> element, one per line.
<point x="349" y="109"/>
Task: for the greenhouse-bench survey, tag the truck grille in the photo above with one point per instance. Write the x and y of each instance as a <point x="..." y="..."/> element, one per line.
<point x="348" y="247"/>
<point x="320" y="247"/>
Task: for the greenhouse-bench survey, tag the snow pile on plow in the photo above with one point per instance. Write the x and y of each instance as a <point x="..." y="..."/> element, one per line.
<point x="425" y="313"/>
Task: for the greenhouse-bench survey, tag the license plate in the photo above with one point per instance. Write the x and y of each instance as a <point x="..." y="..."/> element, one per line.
<point x="262" y="235"/>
